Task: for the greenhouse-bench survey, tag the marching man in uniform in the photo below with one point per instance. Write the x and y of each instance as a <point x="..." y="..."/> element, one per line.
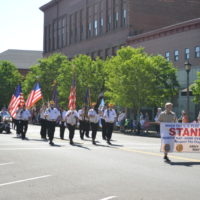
<point x="52" y="114"/>
<point x="110" y="118"/>
<point x="81" y="114"/>
<point x="18" y="121"/>
<point x="25" y="116"/>
<point x="62" y="123"/>
<point x="94" y="121"/>
<point x="71" y="118"/>
<point x="43" y="122"/>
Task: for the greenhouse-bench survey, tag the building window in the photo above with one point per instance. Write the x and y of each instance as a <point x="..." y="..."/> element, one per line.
<point x="187" y="54"/>
<point x="176" y="55"/>
<point x="95" y="27"/>
<point x="124" y="16"/>
<point x="71" y="29"/>
<point x="167" y="55"/>
<point x="59" y="33"/>
<point x="49" y="37"/>
<point x="46" y="39"/>
<point x="75" y="27"/>
<point x="55" y="35"/>
<point x="116" y="10"/>
<point x="108" y="15"/>
<point x="109" y="23"/>
<point x="197" y="52"/>
<point x="89" y="29"/>
<point x="124" y="13"/>
<point x="81" y="25"/>
<point x="101" y="25"/>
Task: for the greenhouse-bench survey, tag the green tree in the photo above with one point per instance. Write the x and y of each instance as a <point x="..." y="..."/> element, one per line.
<point x="196" y="89"/>
<point x="88" y="74"/>
<point x="10" y="77"/>
<point x="136" y="79"/>
<point x="46" y="72"/>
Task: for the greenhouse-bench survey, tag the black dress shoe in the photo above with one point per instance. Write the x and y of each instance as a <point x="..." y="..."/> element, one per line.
<point x="71" y="142"/>
<point x="166" y="159"/>
<point x="51" y="143"/>
<point x="109" y="142"/>
<point x="93" y="142"/>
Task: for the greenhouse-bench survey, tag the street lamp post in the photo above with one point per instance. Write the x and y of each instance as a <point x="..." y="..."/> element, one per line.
<point x="187" y="69"/>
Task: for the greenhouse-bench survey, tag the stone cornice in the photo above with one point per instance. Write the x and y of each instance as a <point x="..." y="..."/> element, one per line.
<point x="165" y="31"/>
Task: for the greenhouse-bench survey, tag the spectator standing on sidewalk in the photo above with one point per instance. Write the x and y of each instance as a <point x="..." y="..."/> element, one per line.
<point x="157" y="125"/>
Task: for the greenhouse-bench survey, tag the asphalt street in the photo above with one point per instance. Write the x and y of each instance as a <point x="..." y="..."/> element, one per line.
<point x="130" y="169"/>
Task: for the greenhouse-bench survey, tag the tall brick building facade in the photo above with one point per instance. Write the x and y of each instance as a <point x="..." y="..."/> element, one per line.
<point x="100" y="27"/>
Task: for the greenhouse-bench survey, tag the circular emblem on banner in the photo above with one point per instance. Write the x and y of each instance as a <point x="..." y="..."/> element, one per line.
<point x="167" y="147"/>
<point x="179" y="148"/>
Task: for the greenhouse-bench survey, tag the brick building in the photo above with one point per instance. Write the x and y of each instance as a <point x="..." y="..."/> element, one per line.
<point x="177" y="43"/>
<point x="100" y="27"/>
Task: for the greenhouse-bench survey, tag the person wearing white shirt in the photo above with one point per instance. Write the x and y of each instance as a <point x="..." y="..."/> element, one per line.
<point x="110" y="117"/>
<point x="81" y="114"/>
<point x="103" y="123"/>
<point x="71" y="118"/>
<point x="51" y="114"/>
<point x="43" y="122"/>
<point x="25" y="116"/>
<point x="62" y="123"/>
<point x="121" y="120"/>
<point x="18" y="121"/>
<point x="94" y="121"/>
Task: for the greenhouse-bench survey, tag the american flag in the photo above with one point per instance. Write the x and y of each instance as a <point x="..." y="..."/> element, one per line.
<point x="72" y="96"/>
<point x="16" y="100"/>
<point x="34" y="96"/>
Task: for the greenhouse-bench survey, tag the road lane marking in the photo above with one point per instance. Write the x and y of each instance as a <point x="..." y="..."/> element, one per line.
<point x="13" y="149"/>
<point x="24" y="180"/>
<point x="107" y="198"/>
<point x="160" y="155"/>
<point x="9" y="163"/>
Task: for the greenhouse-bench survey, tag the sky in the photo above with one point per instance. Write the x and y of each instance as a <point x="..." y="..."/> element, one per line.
<point x="21" y="24"/>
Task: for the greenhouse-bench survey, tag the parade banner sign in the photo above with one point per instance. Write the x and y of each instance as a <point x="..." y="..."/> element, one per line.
<point x="180" y="137"/>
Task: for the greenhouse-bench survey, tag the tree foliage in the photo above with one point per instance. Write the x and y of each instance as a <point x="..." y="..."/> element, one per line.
<point x="196" y="89"/>
<point x="88" y="74"/>
<point x="46" y="72"/>
<point x="136" y="79"/>
<point x="9" y="78"/>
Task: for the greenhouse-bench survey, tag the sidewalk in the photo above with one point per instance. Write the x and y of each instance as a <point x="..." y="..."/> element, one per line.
<point x="142" y="133"/>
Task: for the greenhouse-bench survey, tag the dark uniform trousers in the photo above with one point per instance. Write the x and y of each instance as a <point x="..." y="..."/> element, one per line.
<point x="81" y="128"/>
<point x="103" y="123"/>
<point x="18" y="125"/>
<point x="109" y="130"/>
<point x="94" y="127"/>
<point x="71" y="131"/>
<point x="24" y="127"/>
<point x="51" y="129"/>
<point x="43" y="130"/>
<point x="62" y="130"/>
<point x="86" y="128"/>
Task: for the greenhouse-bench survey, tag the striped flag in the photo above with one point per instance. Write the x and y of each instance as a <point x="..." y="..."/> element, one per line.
<point x="34" y="96"/>
<point x="16" y="100"/>
<point x="72" y="96"/>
